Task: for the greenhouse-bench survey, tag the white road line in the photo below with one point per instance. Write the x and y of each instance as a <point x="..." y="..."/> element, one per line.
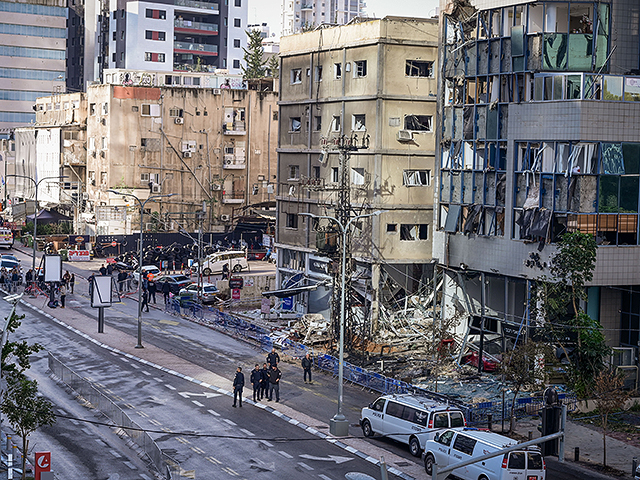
<point x="88" y="432"/>
<point x="170" y="387"/>
<point x="305" y="466"/>
<point x="247" y="432"/>
<point x="324" y="477"/>
<point x="195" y="402"/>
<point x="115" y="454"/>
<point x="214" y="413"/>
<point x="284" y="454"/>
<point x="135" y="366"/>
<point x="133" y="467"/>
<point x="158" y="379"/>
<point x="229" y="422"/>
<point x="125" y="360"/>
<point x="75" y="422"/>
<point x="145" y="477"/>
<point x="268" y="444"/>
<point x="144" y="372"/>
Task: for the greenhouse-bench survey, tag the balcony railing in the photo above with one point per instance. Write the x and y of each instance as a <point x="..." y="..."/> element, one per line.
<point x="233" y="197"/>
<point x="195" y="47"/>
<point x="192" y="4"/>
<point x="234" y="128"/>
<point x="208" y="27"/>
<point x="233" y="162"/>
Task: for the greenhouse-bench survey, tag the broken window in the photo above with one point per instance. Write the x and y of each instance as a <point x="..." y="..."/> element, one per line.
<point x="360" y="69"/>
<point x="392" y="227"/>
<point x="318" y="73"/>
<point x="612" y="88"/>
<point x="418" y="123"/>
<point x="292" y="220"/>
<point x="410" y="232"/>
<point x="418" y="68"/>
<point x="294" y="172"/>
<point x="416" y="178"/>
<point x="357" y="176"/>
<point x="335" y="123"/>
<point x="358" y="123"/>
<point x="295" y="124"/>
<point x="296" y="75"/>
<point x="612" y="160"/>
<point x="556" y="18"/>
<point x="536" y="19"/>
<point x="337" y="71"/>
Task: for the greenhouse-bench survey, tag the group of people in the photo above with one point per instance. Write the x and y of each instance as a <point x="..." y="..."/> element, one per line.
<point x="10" y="278"/>
<point x="266" y="380"/>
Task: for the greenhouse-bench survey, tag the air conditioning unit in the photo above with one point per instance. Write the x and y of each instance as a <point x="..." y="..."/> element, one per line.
<point x="405" y="136"/>
<point x="217" y="91"/>
<point x="85" y="195"/>
<point x="228" y="162"/>
<point x="186" y="154"/>
<point x="179" y="120"/>
<point x="148" y="226"/>
<point x="216" y="186"/>
<point x="155" y="188"/>
<point x="225" y="218"/>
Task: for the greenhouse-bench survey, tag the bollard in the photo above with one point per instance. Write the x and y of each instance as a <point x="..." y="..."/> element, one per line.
<point x="489" y="421"/>
<point x="383" y="469"/>
<point x="530" y="435"/>
<point x="576" y="455"/>
<point x="634" y="466"/>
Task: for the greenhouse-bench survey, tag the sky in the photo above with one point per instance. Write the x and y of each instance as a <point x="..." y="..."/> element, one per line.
<point x="268" y="11"/>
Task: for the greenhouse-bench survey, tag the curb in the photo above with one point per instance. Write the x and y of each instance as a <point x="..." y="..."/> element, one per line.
<point x="333" y="440"/>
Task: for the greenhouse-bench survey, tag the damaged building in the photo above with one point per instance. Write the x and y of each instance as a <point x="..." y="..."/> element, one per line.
<point x="539" y="103"/>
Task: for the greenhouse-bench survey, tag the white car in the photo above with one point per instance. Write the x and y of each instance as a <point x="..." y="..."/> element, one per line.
<point x="146" y="270"/>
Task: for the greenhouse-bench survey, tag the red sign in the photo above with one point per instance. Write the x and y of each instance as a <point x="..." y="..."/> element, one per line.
<point x="79" y="255"/>
<point x="43" y="463"/>
<point x="235" y="294"/>
<point x="236" y="282"/>
<point x="113" y="244"/>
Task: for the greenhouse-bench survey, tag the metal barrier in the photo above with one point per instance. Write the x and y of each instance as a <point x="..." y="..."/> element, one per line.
<point x="475" y="414"/>
<point x="166" y="465"/>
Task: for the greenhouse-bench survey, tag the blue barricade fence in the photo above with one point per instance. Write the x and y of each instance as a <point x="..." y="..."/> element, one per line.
<point x="238" y="327"/>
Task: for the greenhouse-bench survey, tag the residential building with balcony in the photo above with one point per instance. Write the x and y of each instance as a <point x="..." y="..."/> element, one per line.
<point x="33" y="43"/>
<point x="180" y="35"/>
<point x="304" y="15"/>
<point x="374" y="82"/>
<point x="538" y="103"/>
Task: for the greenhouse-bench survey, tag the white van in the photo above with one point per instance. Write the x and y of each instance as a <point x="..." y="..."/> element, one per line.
<point x="236" y="259"/>
<point x="6" y="237"/>
<point x="410" y="419"/>
<point x="462" y="444"/>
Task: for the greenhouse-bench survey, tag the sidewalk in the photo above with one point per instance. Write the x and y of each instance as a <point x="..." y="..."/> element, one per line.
<point x="115" y="340"/>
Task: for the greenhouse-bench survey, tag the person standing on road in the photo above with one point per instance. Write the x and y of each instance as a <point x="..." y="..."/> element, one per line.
<point x="15" y="279"/>
<point x="103" y="270"/>
<point x="110" y="269"/>
<point x="238" y="385"/>
<point x="264" y="386"/>
<point x="152" y="290"/>
<point x="145" y="300"/>
<point x="90" y="280"/>
<point x="28" y="278"/>
<point x="306" y="367"/>
<point x="166" y="290"/>
<point x="256" y="382"/>
<point x="274" y="380"/>
<point x="72" y="282"/>
<point x="63" y="294"/>
<point x="273" y="358"/>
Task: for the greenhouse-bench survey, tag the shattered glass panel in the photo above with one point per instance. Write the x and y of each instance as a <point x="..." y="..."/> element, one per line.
<point x="503" y="121"/>
<point x="631" y="156"/>
<point x="612" y="161"/>
<point x="478" y="187"/>
<point x="471" y="58"/>
<point x="580" y="51"/>
<point x="534" y="52"/>
<point x="467" y="195"/>
<point x="447" y="113"/>
<point x="456" y="188"/>
<point x="574" y="84"/>
<point x="492" y="123"/>
<point x="555" y="51"/>
<point x="458" y="123"/>
<point x="505" y="61"/>
<point x="536" y="19"/>
<point x="562" y="184"/>
<point x="612" y="88"/>
<point x="558" y="82"/>
<point x="562" y="157"/>
<point x="521" y="189"/>
<point x="494" y="61"/>
<point x="538" y="89"/>
<point x="481" y="122"/>
<point x="469" y="124"/>
<point x="629" y="188"/>
<point x="608" y="202"/>
<point x="632" y="89"/>
<point x="451" y="224"/>
<point x="490" y="188"/>
<point x="583" y="199"/>
<point x="445" y="189"/>
<point x="592" y="87"/>
<point x="547" y="192"/>
<point x="483" y="58"/>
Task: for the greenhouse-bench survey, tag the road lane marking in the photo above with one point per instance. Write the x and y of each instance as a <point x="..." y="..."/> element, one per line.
<point x="305" y="466"/>
<point x="213" y="460"/>
<point x="230" y="472"/>
<point x="197" y="450"/>
<point x="284" y="454"/>
<point x="115" y="454"/>
<point x="183" y="440"/>
<point x="170" y="387"/>
<point x="144" y="372"/>
<point x="247" y="432"/>
<point x="229" y="422"/>
<point x="155" y="422"/>
<point x="268" y="444"/>
<point x="195" y="402"/>
<point x="330" y="458"/>
<point x="324" y="477"/>
<point x="130" y="465"/>
<point x="214" y="413"/>
<point x="169" y="322"/>
<point x="158" y="379"/>
<point x="204" y="394"/>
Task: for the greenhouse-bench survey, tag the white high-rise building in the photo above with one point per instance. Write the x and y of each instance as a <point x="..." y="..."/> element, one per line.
<point x="300" y="15"/>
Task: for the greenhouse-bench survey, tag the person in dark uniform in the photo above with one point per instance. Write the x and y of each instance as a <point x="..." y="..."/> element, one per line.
<point x="110" y="269"/>
<point x="225" y="271"/>
<point x="152" y="290"/>
<point x="166" y="290"/>
<point x="264" y="387"/>
<point x="273" y="358"/>
<point x="72" y="282"/>
<point x="238" y="385"/>
<point x="103" y="270"/>
<point x="274" y="383"/>
<point x="306" y="367"/>
<point x="256" y="382"/>
<point x="145" y="300"/>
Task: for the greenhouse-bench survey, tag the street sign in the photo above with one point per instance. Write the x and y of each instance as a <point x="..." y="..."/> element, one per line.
<point x="235" y="294"/>
<point x="114" y="244"/>
<point x="43" y="463"/>
<point x="236" y="282"/>
<point x="287" y="303"/>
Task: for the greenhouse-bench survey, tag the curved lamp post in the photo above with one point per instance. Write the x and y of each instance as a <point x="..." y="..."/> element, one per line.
<point x="339" y="425"/>
<point x="35" y="216"/>
<point x="142" y="204"/>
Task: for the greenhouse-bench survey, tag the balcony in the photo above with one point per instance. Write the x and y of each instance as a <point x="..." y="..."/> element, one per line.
<point x="198" y="48"/>
<point x="234" y="128"/>
<point x="201" y="5"/>
<point x="306" y="7"/>
<point x="233" y="162"/>
<point x="234" y="197"/>
<point x="195" y="27"/>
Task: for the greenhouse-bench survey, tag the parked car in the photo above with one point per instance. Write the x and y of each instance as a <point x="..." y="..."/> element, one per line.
<point x="9" y="264"/>
<point x="176" y="282"/>
<point x="10" y="257"/>
<point x="206" y="293"/>
<point x="410" y="419"/>
<point x="146" y="270"/>
<point x="236" y="259"/>
<point x="123" y="267"/>
<point x="491" y="356"/>
<point x="460" y="444"/>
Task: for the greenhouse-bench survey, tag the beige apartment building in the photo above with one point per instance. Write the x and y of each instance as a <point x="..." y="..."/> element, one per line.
<point x="211" y="147"/>
<point x="373" y="80"/>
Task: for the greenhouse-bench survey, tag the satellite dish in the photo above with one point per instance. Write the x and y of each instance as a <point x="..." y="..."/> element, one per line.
<point x="323" y="158"/>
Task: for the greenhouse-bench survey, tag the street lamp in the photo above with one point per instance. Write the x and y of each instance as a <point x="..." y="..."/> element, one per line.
<point x="35" y="215"/>
<point x="339" y="425"/>
<point x="142" y="204"/>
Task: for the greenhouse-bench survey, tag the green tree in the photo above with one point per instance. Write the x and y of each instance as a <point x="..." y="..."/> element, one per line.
<point x="610" y="398"/>
<point x="253" y="56"/>
<point x="15" y="355"/>
<point x="273" y="65"/>
<point x="558" y="302"/>
<point x="26" y="411"/>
